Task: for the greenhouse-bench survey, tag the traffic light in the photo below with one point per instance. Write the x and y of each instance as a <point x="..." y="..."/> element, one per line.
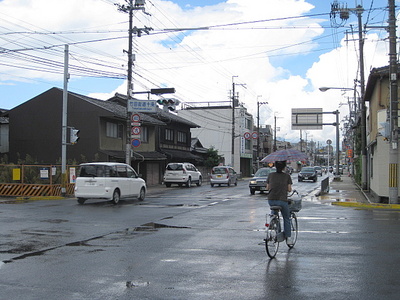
<point x="169" y="103"/>
<point x="74" y="136"/>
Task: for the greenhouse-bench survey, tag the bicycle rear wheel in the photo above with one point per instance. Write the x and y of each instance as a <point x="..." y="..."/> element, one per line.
<point x="271" y="240"/>
<point x="294" y="226"/>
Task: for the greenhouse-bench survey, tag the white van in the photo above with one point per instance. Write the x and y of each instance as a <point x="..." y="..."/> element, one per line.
<point x="109" y="181"/>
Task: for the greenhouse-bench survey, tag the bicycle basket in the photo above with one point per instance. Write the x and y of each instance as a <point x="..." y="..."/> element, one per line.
<point x="295" y="205"/>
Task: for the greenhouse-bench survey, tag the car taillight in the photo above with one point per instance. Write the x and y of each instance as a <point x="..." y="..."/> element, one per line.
<point x="266" y="225"/>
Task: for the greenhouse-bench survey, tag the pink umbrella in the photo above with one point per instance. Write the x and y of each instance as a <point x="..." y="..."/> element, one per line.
<point x="290" y="155"/>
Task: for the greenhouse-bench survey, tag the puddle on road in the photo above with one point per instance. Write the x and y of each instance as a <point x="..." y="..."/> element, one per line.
<point x="154" y="226"/>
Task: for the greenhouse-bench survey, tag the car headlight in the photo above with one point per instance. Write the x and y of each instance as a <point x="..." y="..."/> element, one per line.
<point x="253" y="182"/>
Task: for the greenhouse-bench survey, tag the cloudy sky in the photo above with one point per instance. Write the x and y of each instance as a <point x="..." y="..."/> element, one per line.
<point x="281" y="50"/>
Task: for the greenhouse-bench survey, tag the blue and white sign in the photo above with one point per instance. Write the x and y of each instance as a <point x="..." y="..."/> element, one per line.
<point x="141" y="105"/>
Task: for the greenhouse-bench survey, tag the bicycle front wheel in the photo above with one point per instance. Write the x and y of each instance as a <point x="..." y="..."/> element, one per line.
<point x="271" y="240"/>
<point x="294" y="226"/>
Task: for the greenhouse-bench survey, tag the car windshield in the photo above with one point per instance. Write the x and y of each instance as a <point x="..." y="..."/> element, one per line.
<point x="175" y="167"/>
<point x="308" y="170"/>
<point x="264" y="172"/>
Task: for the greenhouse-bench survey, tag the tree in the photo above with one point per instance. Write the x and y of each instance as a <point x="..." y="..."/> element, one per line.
<point x="213" y="158"/>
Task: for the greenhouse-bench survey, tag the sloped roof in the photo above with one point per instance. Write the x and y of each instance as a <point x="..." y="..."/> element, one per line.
<point x="117" y="109"/>
<point x="373" y="77"/>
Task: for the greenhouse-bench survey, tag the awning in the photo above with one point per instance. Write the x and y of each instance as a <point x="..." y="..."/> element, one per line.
<point x="180" y="155"/>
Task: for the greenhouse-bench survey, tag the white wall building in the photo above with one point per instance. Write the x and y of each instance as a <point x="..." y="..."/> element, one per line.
<point x="216" y="131"/>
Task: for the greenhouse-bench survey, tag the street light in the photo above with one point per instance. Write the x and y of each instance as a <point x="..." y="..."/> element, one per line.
<point x="258" y="129"/>
<point x="363" y="128"/>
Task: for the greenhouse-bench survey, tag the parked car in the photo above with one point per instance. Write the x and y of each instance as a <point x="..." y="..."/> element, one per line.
<point x="319" y="170"/>
<point x="182" y="173"/>
<point x="223" y="175"/>
<point x="109" y="181"/>
<point x="259" y="181"/>
<point x="308" y="173"/>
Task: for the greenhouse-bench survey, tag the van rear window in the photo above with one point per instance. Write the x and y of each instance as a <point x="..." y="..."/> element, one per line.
<point x="97" y="171"/>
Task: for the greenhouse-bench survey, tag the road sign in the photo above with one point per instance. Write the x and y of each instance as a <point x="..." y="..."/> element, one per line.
<point x="141" y="105"/>
<point x="135" y="142"/>
<point x="307" y="118"/>
<point x="247" y="135"/>
<point x="136" y="130"/>
<point x="135" y="118"/>
<point x="254" y="135"/>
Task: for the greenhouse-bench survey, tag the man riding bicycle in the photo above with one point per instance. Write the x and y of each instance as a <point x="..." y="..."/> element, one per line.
<point x="279" y="184"/>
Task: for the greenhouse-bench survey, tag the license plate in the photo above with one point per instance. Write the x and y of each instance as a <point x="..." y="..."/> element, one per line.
<point x="90" y="183"/>
<point x="306" y="177"/>
<point x="262" y="188"/>
<point x="219" y="176"/>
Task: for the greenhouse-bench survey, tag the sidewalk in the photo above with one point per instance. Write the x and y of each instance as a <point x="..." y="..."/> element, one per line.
<point x="347" y="193"/>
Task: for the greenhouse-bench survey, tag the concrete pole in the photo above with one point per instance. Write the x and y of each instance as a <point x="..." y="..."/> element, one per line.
<point x="64" y="177"/>
<point x="129" y="87"/>
<point x="393" y="152"/>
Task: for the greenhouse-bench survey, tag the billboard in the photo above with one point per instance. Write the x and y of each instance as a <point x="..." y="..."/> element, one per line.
<point x="307" y="118"/>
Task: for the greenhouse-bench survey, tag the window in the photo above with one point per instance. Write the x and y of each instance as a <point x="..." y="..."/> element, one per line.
<point x="247" y="145"/>
<point x="114" y="130"/>
<point x="122" y="171"/>
<point x="144" y="134"/>
<point x="248" y="124"/>
<point x="169" y="135"/>
<point x="182" y="137"/>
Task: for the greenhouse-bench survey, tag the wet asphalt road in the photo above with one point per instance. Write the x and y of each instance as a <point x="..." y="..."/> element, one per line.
<point x="197" y="243"/>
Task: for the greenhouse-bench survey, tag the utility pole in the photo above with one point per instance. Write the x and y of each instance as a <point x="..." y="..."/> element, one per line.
<point x="129" y="8"/>
<point x="129" y="86"/>
<point x="343" y="12"/>
<point x="235" y="102"/>
<point x="393" y="113"/>
<point x="274" y="133"/>
<point x="258" y="130"/>
<point x="64" y="125"/>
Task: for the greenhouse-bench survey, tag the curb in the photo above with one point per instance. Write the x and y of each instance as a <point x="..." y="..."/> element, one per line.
<point x="40" y="198"/>
<point x="368" y="205"/>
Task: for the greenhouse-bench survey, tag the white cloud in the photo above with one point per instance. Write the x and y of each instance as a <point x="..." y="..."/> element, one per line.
<point x="200" y="64"/>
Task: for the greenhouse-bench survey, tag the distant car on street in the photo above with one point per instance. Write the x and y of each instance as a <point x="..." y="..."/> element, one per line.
<point x="308" y="173"/>
<point x="223" y="175"/>
<point x="259" y="181"/>
<point x="319" y="170"/>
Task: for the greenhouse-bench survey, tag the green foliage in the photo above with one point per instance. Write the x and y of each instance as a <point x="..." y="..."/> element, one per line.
<point x="213" y="158"/>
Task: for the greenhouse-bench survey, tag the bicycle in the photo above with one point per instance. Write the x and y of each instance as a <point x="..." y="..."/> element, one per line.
<point x="274" y="233"/>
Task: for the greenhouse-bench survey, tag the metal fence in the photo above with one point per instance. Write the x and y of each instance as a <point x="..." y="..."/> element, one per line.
<point x="35" y="180"/>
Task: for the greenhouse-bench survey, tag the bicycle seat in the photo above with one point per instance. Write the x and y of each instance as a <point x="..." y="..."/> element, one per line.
<point x="275" y="207"/>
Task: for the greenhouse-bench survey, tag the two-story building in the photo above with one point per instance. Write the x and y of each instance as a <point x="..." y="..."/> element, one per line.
<point x="377" y="94"/>
<point x="35" y="129"/>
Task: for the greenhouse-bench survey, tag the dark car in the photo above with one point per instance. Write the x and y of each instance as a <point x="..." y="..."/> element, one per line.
<point x="259" y="181"/>
<point x="308" y="173"/>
